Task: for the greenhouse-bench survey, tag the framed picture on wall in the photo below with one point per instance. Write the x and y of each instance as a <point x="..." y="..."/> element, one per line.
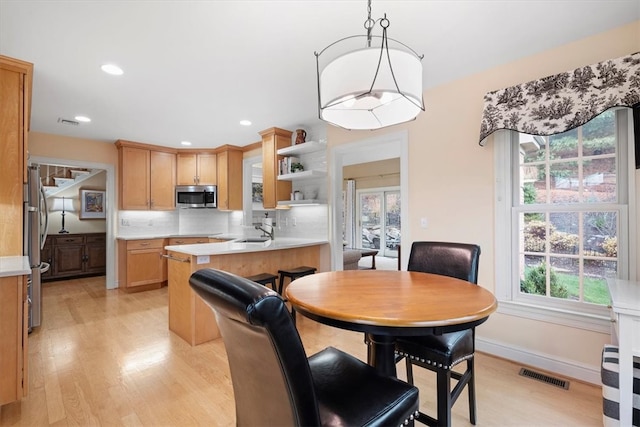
<point x="92" y="204"/>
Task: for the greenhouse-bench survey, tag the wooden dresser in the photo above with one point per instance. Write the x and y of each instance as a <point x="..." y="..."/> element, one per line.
<point x="74" y="255"/>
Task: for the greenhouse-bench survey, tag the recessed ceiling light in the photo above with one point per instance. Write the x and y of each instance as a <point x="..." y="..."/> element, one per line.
<point x="185" y="143"/>
<point x="112" y="69"/>
<point x="83" y="119"/>
<point x="245" y="122"/>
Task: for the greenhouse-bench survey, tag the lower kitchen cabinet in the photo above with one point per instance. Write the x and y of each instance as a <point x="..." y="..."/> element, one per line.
<point x="13" y="338"/>
<point x="75" y="255"/>
<point x="141" y="264"/>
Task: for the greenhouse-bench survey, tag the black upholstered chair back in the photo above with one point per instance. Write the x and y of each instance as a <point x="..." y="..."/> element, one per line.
<point x="271" y="378"/>
<point x="459" y="260"/>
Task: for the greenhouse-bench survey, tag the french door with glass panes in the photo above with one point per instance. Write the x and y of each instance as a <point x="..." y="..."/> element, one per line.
<point x="379" y="220"/>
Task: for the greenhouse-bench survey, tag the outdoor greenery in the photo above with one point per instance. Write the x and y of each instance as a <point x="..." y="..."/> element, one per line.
<point x="564" y="285"/>
<point x="535" y="282"/>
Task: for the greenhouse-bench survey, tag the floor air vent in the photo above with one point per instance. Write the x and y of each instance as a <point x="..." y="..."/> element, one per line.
<point x="544" y="378"/>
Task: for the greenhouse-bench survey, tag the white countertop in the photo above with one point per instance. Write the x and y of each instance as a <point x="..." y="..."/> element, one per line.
<point x="233" y="247"/>
<point x="14" y="266"/>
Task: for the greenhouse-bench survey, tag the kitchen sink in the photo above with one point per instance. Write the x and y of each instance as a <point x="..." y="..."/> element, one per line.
<point x="252" y="240"/>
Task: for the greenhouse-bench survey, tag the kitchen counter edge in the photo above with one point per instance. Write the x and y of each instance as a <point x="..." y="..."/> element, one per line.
<point x="14" y="266"/>
<point x="233" y="247"/>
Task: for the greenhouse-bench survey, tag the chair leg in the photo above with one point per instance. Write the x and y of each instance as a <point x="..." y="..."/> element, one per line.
<point x="471" y="385"/>
<point x="409" y="370"/>
<point x="281" y="285"/>
<point x="444" y="397"/>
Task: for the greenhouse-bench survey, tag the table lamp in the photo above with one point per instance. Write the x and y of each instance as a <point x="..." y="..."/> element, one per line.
<point x="64" y="205"/>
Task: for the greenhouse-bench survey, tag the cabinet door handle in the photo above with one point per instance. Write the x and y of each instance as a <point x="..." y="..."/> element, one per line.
<point x="144" y="244"/>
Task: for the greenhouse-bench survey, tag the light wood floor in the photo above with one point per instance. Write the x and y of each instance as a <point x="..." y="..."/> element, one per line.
<point x="107" y="358"/>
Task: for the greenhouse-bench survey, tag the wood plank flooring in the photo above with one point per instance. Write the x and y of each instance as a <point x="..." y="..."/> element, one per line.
<point x="107" y="358"/>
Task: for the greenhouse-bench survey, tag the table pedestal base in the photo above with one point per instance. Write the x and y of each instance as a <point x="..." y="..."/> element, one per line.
<point x="381" y="354"/>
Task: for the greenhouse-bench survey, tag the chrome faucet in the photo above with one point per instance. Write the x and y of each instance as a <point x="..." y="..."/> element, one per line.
<point x="266" y="233"/>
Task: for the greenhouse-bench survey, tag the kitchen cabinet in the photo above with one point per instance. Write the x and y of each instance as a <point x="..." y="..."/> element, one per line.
<point x="15" y="104"/>
<point x="147" y="176"/>
<point x="229" y="178"/>
<point x="75" y="255"/>
<point x="13" y="338"/>
<point x="196" y="168"/>
<point x="141" y="264"/>
<point x="273" y="189"/>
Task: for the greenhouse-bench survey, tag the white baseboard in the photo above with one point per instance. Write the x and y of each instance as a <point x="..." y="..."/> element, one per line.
<point x="566" y="368"/>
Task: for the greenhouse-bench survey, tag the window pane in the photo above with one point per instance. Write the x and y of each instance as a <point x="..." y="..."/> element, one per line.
<point x="595" y="282"/>
<point x="564" y="145"/>
<point x="600" y="180"/>
<point x="532" y="148"/>
<point x="564" y="182"/>
<point x="533" y="276"/>
<point x="565" y="278"/>
<point x="601" y="234"/>
<point x="370" y="209"/>
<point x="535" y="231"/>
<point x="563" y="233"/>
<point x="599" y="135"/>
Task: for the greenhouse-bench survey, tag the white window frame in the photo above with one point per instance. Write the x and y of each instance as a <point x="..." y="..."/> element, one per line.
<point x="589" y="317"/>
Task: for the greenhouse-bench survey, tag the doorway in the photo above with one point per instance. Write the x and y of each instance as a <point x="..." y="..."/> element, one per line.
<point x="111" y="282"/>
<point x="389" y="146"/>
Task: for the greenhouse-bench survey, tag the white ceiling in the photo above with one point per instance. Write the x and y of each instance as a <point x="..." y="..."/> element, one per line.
<point x="194" y="69"/>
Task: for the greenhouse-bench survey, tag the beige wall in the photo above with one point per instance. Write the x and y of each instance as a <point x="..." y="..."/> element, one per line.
<point x="451" y="182"/>
<point x="65" y="147"/>
<point x="382" y="173"/>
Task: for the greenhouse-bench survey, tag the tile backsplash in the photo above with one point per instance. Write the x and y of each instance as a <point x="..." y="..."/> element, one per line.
<point x="299" y="221"/>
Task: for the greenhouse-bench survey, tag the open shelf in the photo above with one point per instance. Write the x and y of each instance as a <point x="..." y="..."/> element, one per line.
<point x="301" y="202"/>
<point x="304" y="148"/>
<point x="302" y="175"/>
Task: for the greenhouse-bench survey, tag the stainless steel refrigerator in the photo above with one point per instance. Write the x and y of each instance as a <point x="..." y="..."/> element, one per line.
<point x="36" y="224"/>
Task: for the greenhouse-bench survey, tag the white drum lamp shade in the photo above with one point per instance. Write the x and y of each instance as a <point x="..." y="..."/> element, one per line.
<point x="353" y="97"/>
<point x="369" y="82"/>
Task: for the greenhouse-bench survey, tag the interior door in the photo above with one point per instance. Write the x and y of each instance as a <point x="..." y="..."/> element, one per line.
<point x="379" y="220"/>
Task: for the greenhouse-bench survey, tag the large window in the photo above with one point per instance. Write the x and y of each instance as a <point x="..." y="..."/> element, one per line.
<point x="566" y="202"/>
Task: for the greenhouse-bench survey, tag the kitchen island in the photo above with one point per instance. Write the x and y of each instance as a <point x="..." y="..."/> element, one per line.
<point x="189" y="317"/>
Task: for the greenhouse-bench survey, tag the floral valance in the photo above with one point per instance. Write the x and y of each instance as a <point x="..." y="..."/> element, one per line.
<point x="564" y="101"/>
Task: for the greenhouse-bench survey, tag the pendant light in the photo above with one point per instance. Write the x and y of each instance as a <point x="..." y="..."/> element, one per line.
<point x="369" y="82"/>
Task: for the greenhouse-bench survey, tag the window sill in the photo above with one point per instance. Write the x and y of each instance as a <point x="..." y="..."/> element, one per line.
<point x="588" y="322"/>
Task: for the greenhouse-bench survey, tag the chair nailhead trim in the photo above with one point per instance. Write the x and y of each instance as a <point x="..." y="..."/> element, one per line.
<point x="412" y="417"/>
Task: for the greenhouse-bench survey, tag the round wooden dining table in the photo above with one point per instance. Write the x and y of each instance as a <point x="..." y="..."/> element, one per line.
<point x="388" y="303"/>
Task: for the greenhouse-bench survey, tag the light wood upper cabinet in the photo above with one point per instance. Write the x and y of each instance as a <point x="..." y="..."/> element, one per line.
<point x="147" y="177"/>
<point x="163" y="180"/>
<point x="197" y="168"/>
<point x="272" y="189"/>
<point x="229" y="178"/>
<point x="15" y="101"/>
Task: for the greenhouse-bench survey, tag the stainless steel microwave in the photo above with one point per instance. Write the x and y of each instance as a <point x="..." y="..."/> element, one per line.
<point x="196" y="196"/>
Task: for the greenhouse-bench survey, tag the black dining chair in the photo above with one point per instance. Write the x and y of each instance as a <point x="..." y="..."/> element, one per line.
<point x="275" y="384"/>
<point x="440" y="353"/>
